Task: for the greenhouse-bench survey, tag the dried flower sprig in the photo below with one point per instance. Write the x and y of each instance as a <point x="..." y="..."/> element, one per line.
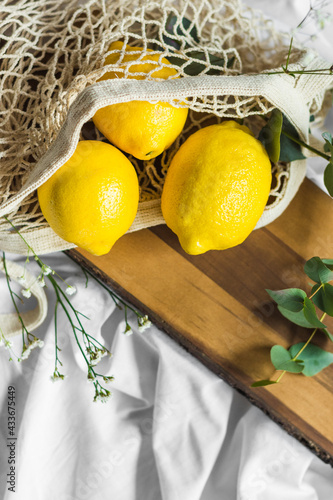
<point x="91" y="349"/>
<point x="29" y="341"/>
<point x="143" y="321"/>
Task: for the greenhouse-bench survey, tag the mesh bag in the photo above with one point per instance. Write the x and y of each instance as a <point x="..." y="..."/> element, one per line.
<point x="52" y="56"/>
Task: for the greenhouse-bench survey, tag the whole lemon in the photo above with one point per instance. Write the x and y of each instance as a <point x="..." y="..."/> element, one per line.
<point x="140" y="128"/>
<point x="93" y="198"/>
<point x="216" y="188"/>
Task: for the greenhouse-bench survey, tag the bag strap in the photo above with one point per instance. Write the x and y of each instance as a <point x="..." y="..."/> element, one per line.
<point x="9" y="323"/>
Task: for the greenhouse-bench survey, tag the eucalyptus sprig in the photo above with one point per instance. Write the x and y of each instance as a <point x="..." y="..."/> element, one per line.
<point x="282" y="143"/>
<point x="91" y="349"/>
<point x="301" y="309"/>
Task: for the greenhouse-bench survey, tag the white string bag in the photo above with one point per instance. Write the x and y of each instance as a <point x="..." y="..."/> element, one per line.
<point x="53" y="57"/>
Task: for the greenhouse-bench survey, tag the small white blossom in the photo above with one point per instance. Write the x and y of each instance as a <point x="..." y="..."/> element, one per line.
<point x="57" y="376"/>
<point x="26" y="293"/>
<point x="21" y="280"/>
<point x="27" y="349"/>
<point x="7" y="344"/>
<point x="144" y="323"/>
<point x="70" y="290"/>
<point x="128" y="330"/>
<point x="41" y="281"/>
<point x="96" y="356"/>
<point x="103" y="397"/>
<point x="47" y="270"/>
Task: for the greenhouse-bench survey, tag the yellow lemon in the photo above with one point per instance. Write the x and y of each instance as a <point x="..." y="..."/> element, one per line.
<point x="216" y="188"/>
<point x="93" y="198"/>
<point x="140" y="128"/>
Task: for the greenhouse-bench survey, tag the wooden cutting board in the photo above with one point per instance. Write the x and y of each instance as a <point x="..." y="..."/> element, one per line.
<point x="216" y="306"/>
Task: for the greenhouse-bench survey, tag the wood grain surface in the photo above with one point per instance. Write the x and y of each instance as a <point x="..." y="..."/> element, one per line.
<point x="215" y="305"/>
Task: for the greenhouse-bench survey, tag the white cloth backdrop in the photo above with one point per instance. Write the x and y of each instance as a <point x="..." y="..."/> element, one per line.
<point x="173" y="430"/>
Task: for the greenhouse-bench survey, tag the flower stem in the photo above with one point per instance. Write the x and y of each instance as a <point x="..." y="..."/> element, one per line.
<point x="24" y="330"/>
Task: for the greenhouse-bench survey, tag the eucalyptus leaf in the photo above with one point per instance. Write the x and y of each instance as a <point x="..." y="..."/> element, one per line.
<point x="328" y="178"/>
<point x="328" y="146"/>
<point x="270" y="135"/>
<point x="311" y="315"/>
<point x="328" y="263"/>
<point x="282" y="360"/>
<point x="296" y="317"/>
<point x="289" y="149"/>
<point x="323" y="298"/>
<point x="200" y="63"/>
<point x="314" y="358"/>
<point x="179" y="29"/>
<point x="317" y="298"/>
<point x="262" y="383"/>
<point x="318" y="271"/>
<point x="328" y="334"/>
<point x="290" y="298"/>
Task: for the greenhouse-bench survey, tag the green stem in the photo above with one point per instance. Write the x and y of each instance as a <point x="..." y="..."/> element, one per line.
<point x="309" y="339"/>
<point x="24" y="330"/>
<point x="114" y="296"/>
<point x="314" y="293"/>
<point x="57" y="289"/>
<point x="280" y="376"/>
<point x="285" y="70"/>
<point x="304" y="346"/>
<point x="56" y="337"/>
<point x="307" y="146"/>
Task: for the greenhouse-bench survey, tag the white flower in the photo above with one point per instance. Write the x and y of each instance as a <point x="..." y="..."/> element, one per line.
<point x="7" y="344"/>
<point x="103" y="397"/>
<point x="70" y="290"/>
<point x="57" y="376"/>
<point x="96" y="356"/>
<point x="144" y="323"/>
<point x="21" y="280"/>
<point x="41" y="281"/>
<point x="26" y="293"/>
<point x="47" y="270"/>
<point x="128" y="330"/>
<point x="27" y="349"/>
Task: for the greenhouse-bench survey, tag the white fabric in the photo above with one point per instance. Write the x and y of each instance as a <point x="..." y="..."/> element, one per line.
<point x="173" y="431"/>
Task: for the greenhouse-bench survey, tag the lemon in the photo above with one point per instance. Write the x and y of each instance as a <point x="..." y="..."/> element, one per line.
<point x="140" y="128"/>
<point x="92" y="199"/>
<point x="216" y="188"/>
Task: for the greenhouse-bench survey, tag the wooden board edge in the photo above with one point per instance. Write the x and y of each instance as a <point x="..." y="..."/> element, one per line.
<point x="242" y="388"/>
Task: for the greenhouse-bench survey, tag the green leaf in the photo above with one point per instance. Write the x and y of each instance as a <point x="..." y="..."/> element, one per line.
<point x="311" y="315"/>
<point x="328" y="178"/>
<point x="291" y="298"/>
<point x="318" y="271"/>
<point x="314" y="358"/>
<point x="262" y="383"/>
<point x="179" y="29"/>
<point x="290" y="150"/>
<point x="296" y="317"/>
<point x="195" y="67"/>
<point x="328" y="146"/>
<point x="328" y="334"/>
<point x="323" y="297"/>
<point x="282" y="360"/>
<point x="270" y="135"/>
<point x="328" y="263"/>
